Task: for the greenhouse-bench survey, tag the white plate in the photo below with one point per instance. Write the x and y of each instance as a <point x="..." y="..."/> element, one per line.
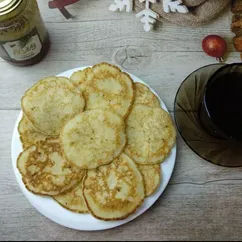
<point x="85" y="222"/>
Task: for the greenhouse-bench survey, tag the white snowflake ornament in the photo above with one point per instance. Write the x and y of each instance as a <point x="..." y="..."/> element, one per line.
<point x="174" y="6"/>
<point x="121" y="5"/>
<point x="149" y="17"/>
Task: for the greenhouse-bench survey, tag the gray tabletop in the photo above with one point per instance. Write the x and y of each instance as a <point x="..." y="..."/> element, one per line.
<point x="202" y="201"/>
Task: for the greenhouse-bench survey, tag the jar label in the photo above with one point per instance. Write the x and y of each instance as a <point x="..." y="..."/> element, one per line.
<point x="25" y="48"/>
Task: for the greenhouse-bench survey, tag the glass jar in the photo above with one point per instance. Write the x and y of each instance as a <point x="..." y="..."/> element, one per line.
<point x="23" y="37"/>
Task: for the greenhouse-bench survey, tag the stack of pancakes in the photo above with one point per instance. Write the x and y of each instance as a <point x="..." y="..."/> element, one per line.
<point x="94" y="142"/>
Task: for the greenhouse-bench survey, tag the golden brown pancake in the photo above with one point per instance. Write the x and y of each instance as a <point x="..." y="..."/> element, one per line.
<point x="107" y="87"/>
<point x="93" y="138"/>
<point x="50" y="103"/>
<point x="73" y="199"/>
<point x="29" y="135"/>
<point x="143" y="95"/>
<point x="44" y="170"/>
<point x="79" y="78"/>
<point x="114" y="191"/>
<point x="151" y="134"/>
<point x="152" y="177"/>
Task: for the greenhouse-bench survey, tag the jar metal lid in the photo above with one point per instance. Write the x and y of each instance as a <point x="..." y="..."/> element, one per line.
<point x="7" y="6"/>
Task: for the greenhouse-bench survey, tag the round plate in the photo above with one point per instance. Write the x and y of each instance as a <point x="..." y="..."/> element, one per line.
<point x="85" y="222"/>
<point x="187" y="104"/>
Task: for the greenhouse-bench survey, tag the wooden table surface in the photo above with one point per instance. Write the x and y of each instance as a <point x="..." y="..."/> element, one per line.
<point x="202" y="201"/>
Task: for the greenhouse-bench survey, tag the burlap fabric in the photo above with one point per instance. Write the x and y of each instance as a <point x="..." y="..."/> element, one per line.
<point x="201" y="11"/>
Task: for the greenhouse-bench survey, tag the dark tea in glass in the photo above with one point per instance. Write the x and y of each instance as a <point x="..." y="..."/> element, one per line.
<point x="221" y="109"/>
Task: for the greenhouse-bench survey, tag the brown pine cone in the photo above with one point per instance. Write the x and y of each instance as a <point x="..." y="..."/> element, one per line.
<point x="238" y="43"/>
<point x="236" y="26"/>
<point x="236" y="6"/>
